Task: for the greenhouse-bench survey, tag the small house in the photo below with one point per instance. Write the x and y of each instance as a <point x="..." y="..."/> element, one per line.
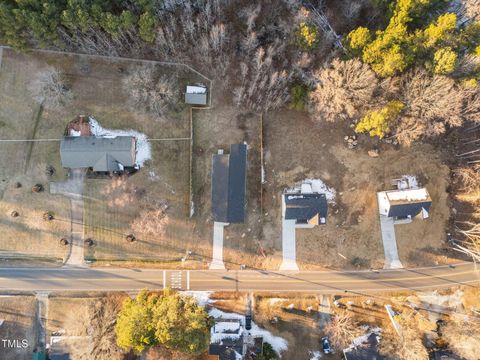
<point x="196" y="95"/>
<point x="100" y="154"/>
<point x="407" y="201"/>
<point x="226" y="339"/>
<point x="306" y="204"/>
<point x="229" y="185"/>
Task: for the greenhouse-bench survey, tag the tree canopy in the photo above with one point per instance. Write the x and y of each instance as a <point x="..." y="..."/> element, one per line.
<point x="170" y="320"/>
<point x="25" y="23"/>
<point x="412" y="36"/>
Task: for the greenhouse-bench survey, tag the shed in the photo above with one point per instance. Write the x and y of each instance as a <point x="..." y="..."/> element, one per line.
<point x="196" y="95"/>
<point x="229" y="185"/>
<point x="98" y="153"/>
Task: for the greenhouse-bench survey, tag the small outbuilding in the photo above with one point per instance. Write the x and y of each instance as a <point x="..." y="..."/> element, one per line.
<point x="101" y="154"/>
<point x="229" y="173"/>
<point x="196" y="95"/>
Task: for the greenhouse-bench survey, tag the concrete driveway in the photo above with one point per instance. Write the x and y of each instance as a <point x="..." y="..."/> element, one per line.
<point x="387" y="228"/>
<point x="289" y="246"/>
<point x="217" y="257"/>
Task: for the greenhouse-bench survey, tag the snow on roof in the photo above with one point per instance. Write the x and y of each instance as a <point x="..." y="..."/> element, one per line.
<point x="227" y="327"/>
<point x="407" y="195"/>
<point x="143" y="148"/>
<point x="279" y="344"/>
<point x="313" y="186"/>
<point x="192" y="89"/>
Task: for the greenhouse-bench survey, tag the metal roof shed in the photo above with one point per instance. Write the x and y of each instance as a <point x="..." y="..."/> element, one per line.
<point x="196" y="95"/>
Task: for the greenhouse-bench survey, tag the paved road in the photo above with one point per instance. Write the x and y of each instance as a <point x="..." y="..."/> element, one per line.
<point x="102" y="279"/>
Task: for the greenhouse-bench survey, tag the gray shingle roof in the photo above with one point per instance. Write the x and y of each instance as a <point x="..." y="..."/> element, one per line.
<point x="101" y="154"/>
<point x="412" y="209"/>
<point x="229" y="185"/>
<point x="303" y="207"/>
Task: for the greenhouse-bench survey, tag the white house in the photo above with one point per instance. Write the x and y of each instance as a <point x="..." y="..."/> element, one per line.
<point x="405" y="202"/>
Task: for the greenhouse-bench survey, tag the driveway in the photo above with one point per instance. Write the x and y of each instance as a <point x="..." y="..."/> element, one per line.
<point x="217" y="257"/>
<point x="387" y="227"/>
<point x="73" y="189"/>
<point x="289" y="246"/>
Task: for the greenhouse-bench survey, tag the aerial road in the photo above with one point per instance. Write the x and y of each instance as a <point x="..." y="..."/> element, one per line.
<point x="328" y="282"/>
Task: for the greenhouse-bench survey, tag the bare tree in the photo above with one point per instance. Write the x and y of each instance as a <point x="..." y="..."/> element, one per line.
<point x="342" y="329"/>
<point x="406" y="346"/>
<point x="50" y="89"/>
<point x="149" y="91"/>
<point x="152" y="223"/>
<point x="462" y="334"/>
<point x="343" y="90"/>
<point x="432" y="103"/>
<point x="471" y="110"/>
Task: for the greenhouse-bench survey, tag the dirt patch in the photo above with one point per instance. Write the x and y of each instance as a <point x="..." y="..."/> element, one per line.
<point x="18" y="314"/>
<point x="351" y="237"/>
<point x="213" y="130"/>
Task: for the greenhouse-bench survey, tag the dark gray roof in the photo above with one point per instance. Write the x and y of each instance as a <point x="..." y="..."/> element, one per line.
<point x="303" y="207"/>
<point x="229" y="185"/>
<point x="412" y="209"/>
<point x="367" y="351"/>
<point x="101" y="154"/>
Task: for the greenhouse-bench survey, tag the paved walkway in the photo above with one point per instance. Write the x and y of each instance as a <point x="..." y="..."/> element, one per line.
<point x="217" y="257"/>
<point x="289" y="246"/>
<point x="73" y="188"/>
<point x="387" y="228"/>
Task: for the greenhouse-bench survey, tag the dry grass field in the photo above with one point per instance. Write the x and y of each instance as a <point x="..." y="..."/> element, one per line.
<point x="18" y="313"/>
<point x="111" y="205"/>
<point x="216" y="129"/>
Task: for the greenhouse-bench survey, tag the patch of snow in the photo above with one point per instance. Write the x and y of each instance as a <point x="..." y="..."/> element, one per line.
<point x="359" y="341"/>
<point x="315" y="355"/>
<point x="226" y="326"/>
<point x="290" y="306"/>
<point x="238" y="356"/>
<point x="437" y="301"/>
<point x="75" y="133"/>
<point x="407" y="195"/>
<point x="314" y="186"/>
<point x="407" y="182"/>
<point x="263" y="175"/>
<point x="202" y="297"/>
<point x="278" y="344"/>
<point x="273" y="301"/>
<point x="143" y="147"/>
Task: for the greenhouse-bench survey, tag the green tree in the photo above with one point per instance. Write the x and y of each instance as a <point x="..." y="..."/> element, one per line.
<point x="376" y="122"/>
<point x="170" y="320"/>
<point x="298" y="97"/>
<point x="358" y="39"/>
<point x="147" y="25"/>
<point x="135" y="329"/>
<point x="307" y="36"/>
<point x="438" y="31"/>
<point x="444" y="61"/>
<point x="268" y="353"/>
<point x="181" y="325"/>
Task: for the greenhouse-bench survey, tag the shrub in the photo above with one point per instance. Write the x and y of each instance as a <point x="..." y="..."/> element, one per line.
<point x="298" y="97"/>
<point x="307" y="36"/>
<point x="445" y="60"/>
<point x="376" y="122"/>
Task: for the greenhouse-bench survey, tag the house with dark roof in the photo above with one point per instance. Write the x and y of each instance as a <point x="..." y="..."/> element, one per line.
<point x="229" y="173"/>
<point x="305" y="204"/>
<point x="405" y="202"/>
<point x="100" y="154"/>
<point x="368" y="350"/>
